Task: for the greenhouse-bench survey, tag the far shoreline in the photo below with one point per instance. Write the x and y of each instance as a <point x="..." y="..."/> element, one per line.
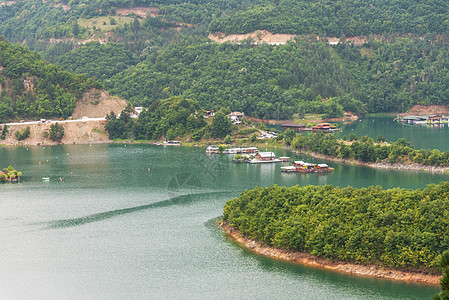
<point x="381" y="165"/>
<point x="332" y="265"/>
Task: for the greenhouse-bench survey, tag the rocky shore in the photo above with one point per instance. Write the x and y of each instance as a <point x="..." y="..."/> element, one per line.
<point x="313" y="261"/>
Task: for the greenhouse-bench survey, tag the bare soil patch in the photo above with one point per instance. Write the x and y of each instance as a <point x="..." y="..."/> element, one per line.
<point x="97" y="104"/>
<point x="314" y="261"/>
<point x="7" y="3"/>
<point x="65" y="7"/>
<point x="427" y="110"/>
<point x="82" y="132"/>
<point x="139" y="11"/>
<point x="259" y="36"/>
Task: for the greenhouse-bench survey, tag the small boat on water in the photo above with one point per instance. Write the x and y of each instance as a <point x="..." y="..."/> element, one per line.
<point x="212" y="150"/>
<point x="172" y="143"/>
<point x="302" y="167"/>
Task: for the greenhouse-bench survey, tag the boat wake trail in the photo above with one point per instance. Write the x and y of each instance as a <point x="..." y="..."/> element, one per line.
<point x="178" y="200"/>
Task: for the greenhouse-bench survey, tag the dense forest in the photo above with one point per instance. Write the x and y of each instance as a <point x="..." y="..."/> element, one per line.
<point x="40" y="20"/>
<point x="400" y="228"/>
<point x="270" y="81"/>
<point x="31" y="87"/>
<point x="156" y="57"/>
<point x="35" y="20"/>
<point x="365" y="149"/>
<point x="338" y="18"/>
<point x="174" y="117"/>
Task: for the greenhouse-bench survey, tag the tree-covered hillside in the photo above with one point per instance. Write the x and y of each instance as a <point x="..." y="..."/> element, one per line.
<point x="97" y="60"/>
<point x="36" y="20"/>
<point x="336" y="18"/>
<point x="152" y="58"/>
<point x="31" y="87"/>
<point x="398" y="228"/>
<point x="275" y="81"/>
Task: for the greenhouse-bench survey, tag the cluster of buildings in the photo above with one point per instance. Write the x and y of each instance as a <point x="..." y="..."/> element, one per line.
<point x="302" y="167"/>
<point x="235" y="117"/>
<point x="323" y="127"/>
<point x="252" y="155"/>
<point x="424" y="120"/>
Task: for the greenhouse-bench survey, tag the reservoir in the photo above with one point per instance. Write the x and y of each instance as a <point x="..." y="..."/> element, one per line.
<point x="137" y="222"/>
<point x="421" y="137"/>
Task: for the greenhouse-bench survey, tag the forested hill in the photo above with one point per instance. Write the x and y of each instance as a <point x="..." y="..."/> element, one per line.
<point x="270" y="81"/>
<point x="32" y="87"/>
<point x="34" y="19"/>
<point x="405" y="229"/>
<point x="151" y="53"/>
<point x="336" y="18"/>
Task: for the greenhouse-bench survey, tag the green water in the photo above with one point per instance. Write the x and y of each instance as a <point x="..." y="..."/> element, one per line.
<point x="114" y="230"/>
<point x="422" y="137"/>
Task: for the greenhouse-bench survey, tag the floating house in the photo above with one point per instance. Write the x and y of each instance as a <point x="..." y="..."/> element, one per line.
<point x="424" y="120"/>
<point x="249" y="150"/>
<point x="415" y="120"/>
<point x="265" y="156"/>
<point x="285" y="158"/>
<point x="302" y="167"/>
<point x="172" y="143"/>
<point x="293" y="126"/>
<point x="212" y="150"/>
<point x="324" y="127"/>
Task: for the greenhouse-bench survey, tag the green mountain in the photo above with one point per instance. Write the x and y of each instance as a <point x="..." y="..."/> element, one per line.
<point x="32" y="87"/>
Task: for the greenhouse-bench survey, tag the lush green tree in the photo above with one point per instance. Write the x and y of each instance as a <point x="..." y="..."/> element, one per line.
<point x="392" y="228"/>
<point x="228" y="139"/>
<point x="115" y="127"/>
<point x="444" y="281"/>
<point x="56" y="132"/>
<point x="221" y="125"/>
<point x="4" y="132"/>
<point x="24" y="134"/>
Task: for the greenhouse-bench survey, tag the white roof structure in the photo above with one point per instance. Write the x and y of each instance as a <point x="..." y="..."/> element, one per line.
<point x="266" y="154"/>
<point x="237" y="114"/>
<point x="288" y="168"/>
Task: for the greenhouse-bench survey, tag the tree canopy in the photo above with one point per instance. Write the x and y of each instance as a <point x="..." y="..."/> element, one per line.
<point x="31" y="87"/>
<point x="400" y="228"/>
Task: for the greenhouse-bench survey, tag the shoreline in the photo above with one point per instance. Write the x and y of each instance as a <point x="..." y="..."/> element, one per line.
<point x="337" y="266"/>
<point x="381" y="165"/>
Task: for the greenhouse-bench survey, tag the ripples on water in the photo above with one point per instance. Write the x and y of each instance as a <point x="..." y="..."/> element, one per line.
<point x="118" y="230"/>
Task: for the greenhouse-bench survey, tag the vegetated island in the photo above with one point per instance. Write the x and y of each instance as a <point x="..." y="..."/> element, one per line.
<point x="9" y="174"/>
<point x="365" y="151"/>
<point x="395" y="234"/>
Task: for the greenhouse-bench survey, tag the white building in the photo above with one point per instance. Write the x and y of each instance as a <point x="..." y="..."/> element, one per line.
<point x="236" y="117"/>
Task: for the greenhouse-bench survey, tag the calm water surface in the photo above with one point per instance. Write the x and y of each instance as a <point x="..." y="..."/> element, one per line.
<point x="113" y="230"/>
<point x="422" y="137"/>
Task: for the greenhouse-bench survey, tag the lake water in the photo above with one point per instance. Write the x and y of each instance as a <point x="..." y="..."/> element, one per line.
<point x="137" y="221"/>
<point x="421" y="137"/>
